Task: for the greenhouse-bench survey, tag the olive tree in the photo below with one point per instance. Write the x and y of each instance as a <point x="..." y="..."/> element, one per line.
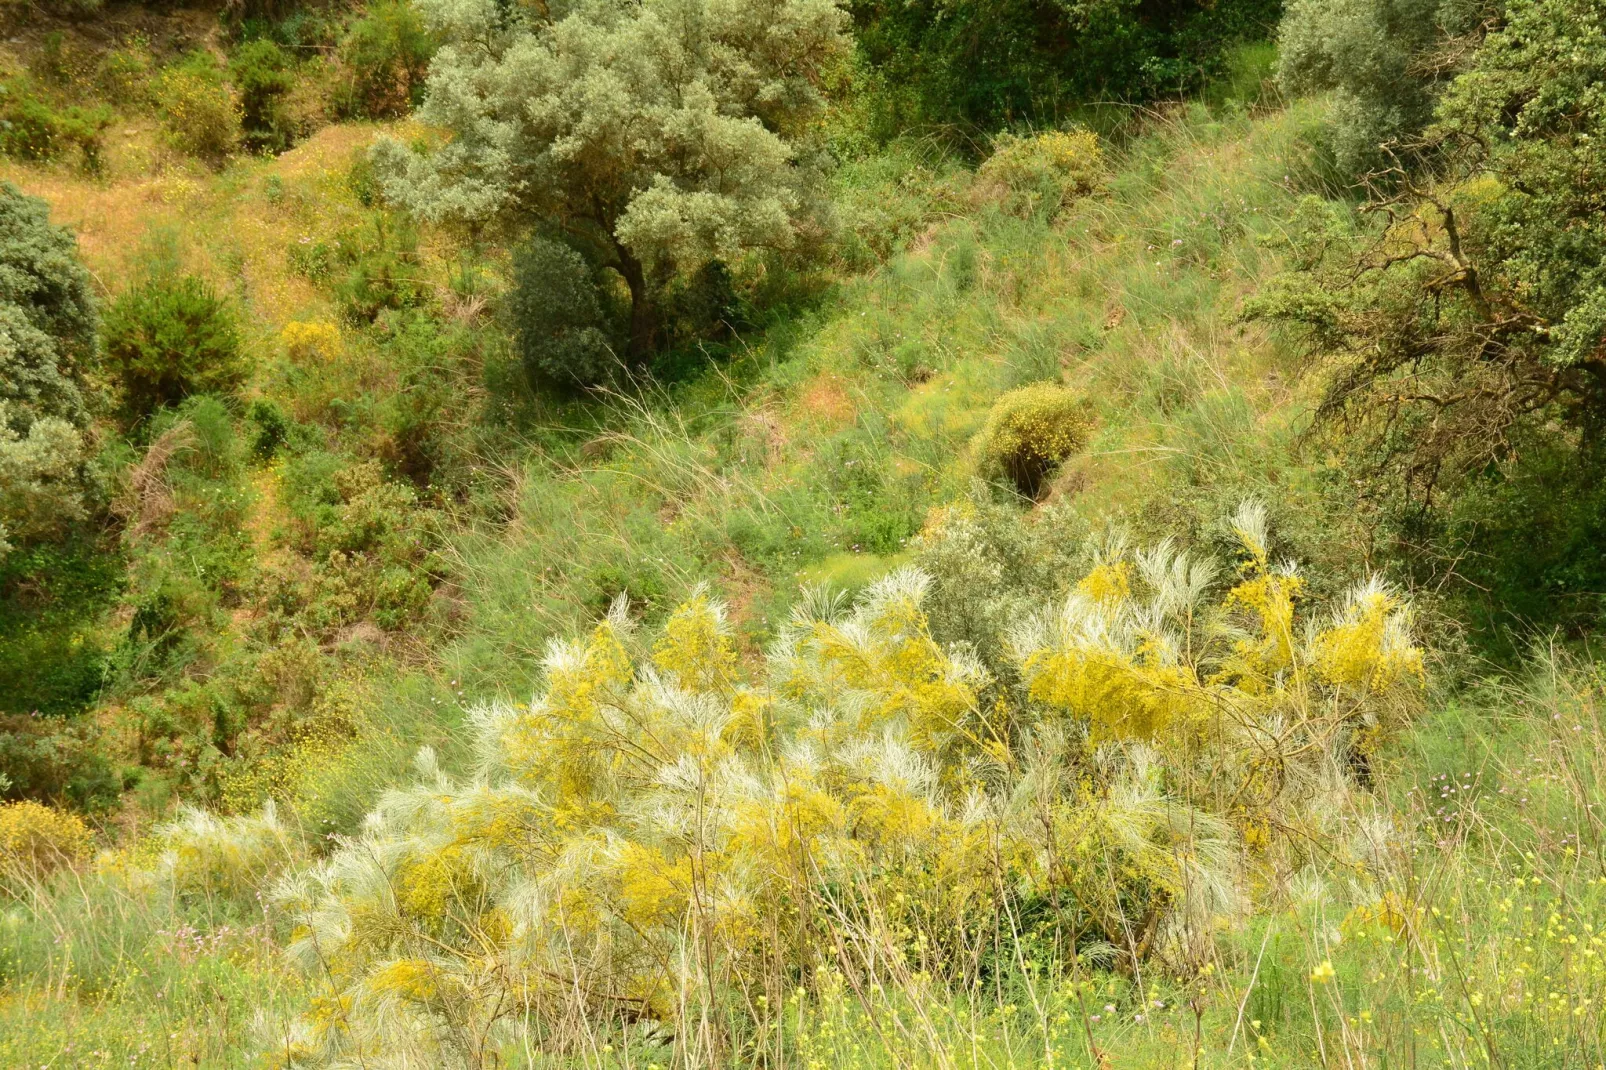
<point x="655" y="135"/>
<point x="47" y="334"/>
<point x="1385" y="63"/>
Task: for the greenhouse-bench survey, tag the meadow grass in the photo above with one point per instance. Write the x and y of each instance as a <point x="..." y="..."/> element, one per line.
<point x="813" y="450"/>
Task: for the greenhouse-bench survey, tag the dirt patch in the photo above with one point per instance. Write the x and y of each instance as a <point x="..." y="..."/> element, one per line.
<point x="828" y="401"/>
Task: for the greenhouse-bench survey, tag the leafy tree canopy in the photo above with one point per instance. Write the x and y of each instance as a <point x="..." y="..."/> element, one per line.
<point x="1385" y="62"/>
<point x="47" y="335"/>
<point x="992" y="62"/>
<point x="1466" y="327"/>
<point x="657" y="136"/>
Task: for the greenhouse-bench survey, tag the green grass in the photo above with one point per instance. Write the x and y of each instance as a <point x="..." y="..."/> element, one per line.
<point x="812" y="451"/>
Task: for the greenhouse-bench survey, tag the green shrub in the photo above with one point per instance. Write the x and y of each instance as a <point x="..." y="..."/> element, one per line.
<point x="55" y="759"/>
<point x="1030" y="431"/>
<point x="48" y="320"/>
<point x="30" y="126"/>
<point x="263" y="74"/>
<point x="31" y="129"/>
<point x="42" y="474"/>
<point x="1385" y="62"/>
<point x="52" y="598"/>
<point x="370" y="270"/>
<point x="368" y="542"/>
<point x="566" y="329"/>
<point x="200" y="111"/>
<point x="168" y="338"/>
<point x="125" y="74"/>
<point x="1042" y="173"/>
<point x="386" y="55"/>
<point x="970" y="64"/>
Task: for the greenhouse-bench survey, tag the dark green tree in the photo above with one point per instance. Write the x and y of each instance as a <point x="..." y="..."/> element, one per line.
<point x="263" y="74"/>
<point x="1461" y="318"/>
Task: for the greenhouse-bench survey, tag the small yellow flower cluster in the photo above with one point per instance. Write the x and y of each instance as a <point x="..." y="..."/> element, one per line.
<point x="311" y="342"/>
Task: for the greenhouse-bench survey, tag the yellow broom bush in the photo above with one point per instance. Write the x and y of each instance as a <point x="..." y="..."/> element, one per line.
<point x="1042" y="173"/>
<point x="661" y="838"/>
<point x="35" y="839"/>
<point x="1029" y="432"/>
<point x="311" y="342"/>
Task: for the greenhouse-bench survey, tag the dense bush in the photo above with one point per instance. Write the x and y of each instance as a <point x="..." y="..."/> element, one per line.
<point x="264" y="76"/>
<point x="370" y="269"/>
<point x="35" y="839"/>
<point x="379" y="269"/>
<point x="56" y="759"/>
<point x="200" y="110"/>
<point x="48" y="327"/>
<point x="696" y="837"/>
<point x="1525" y="537"/>
<point x="1385" y="61"/>
<point x="369" y="542"/>
<point x="386" y="56"/>
<point x="1042" y="173"/>
<point x="1029" y="432"/>
<point x="312" y="342"/>
<point x="42" y="478"/>
<point x="1472" y="316"/>
<point x="169" y="337"/>
<point x="990" y="63"/>
<point x="52" y="596"/>
<point x="568" y="332"/>
<point x="32" y="129"/>
<point x="125" y="74"/>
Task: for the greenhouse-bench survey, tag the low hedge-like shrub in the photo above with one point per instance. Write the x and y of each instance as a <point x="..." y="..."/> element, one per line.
<point x="200" y="111"/>
<point x="1043" y="173"/>
<point x="35" y="839"/>
<point x="1030" y="432"/>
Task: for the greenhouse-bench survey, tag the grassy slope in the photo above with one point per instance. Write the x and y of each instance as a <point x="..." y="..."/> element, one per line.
<point x="814" y="453"/>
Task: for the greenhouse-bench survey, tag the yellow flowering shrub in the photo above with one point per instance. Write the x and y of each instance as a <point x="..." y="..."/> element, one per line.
<point x="1369" y="646"/>
<point x="1029" y="432"/>
<point x="696" y="649"/>
<point x="1042" y="173"/>
<point x="658" y="826"/>
<point x="311" y="342"/>
<point x="35" y="838"/>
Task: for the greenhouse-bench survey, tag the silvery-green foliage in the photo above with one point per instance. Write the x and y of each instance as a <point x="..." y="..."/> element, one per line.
<point x="47" y="333"/>
<point x="664" y="132"/>
<point x="47" y="317"/>
<point x="1383" y="61"/>
<point x="41" y="489"/>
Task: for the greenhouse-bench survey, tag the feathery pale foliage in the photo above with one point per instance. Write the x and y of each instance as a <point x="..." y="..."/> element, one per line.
<point x="657" y="839"/>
